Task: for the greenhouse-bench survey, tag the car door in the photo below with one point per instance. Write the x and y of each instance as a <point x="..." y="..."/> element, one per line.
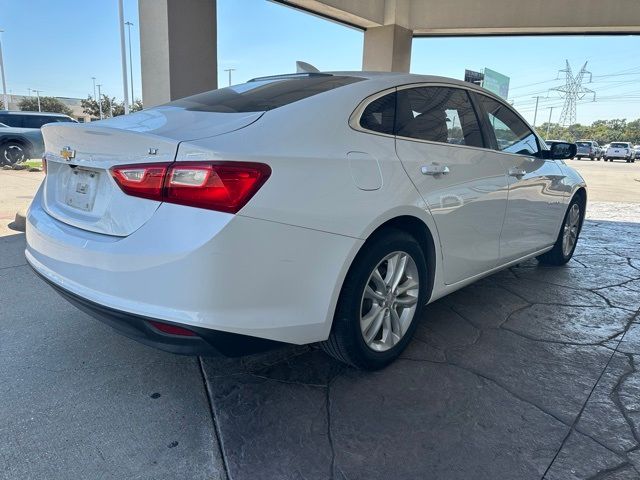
<point x="442" y="148"/>
<point x="536" y="191"/>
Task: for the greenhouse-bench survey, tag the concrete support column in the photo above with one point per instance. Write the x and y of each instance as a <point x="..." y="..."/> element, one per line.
<point x="387" y="49"/>
<point x="178" y="48"/>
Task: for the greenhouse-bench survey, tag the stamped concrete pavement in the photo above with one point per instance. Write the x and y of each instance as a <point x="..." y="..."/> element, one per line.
<point x="529" y="373"/>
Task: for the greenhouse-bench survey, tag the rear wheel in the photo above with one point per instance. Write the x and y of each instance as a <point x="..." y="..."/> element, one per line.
<point x="567" y="240"/>
<point x="12" y="153"/>
<point x="380" y="301"/>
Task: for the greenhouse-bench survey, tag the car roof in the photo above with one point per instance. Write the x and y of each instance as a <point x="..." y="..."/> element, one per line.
<point x="390" y="79"/>
<point x="408" y="78"/>
<point x="21" y="112"/>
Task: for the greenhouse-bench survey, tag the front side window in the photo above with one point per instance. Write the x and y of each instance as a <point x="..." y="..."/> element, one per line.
<point x="437" y="114"/>
<point x="512" y="134"/>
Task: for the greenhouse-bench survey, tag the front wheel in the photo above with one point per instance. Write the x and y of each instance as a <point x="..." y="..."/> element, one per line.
<point x="567" y="240"/>
<point x="380" y="301"/>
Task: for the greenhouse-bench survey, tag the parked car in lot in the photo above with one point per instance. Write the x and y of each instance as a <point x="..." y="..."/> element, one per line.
<point x="20" y="138"/>
<point x="325" y="207"/>
<point x="636" y="149"/>
<point x="590" y="149"/>
<point x="19" y="144"/>
<point x="620" y="150"/>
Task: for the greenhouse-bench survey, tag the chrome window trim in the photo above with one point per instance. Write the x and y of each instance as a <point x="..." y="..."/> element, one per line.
<point x="354" y="118"/>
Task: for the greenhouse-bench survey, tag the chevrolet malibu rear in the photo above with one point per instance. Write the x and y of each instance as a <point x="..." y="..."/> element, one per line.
<point x="208" y="224"/>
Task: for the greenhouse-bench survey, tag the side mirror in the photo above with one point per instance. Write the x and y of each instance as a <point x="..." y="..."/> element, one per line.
<point x="562" y="151"/>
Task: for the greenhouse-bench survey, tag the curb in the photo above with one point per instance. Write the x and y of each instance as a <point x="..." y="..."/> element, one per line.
<point x="20" y="222"/>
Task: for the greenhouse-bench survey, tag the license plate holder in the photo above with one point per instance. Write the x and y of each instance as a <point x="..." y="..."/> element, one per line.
<point x="81" y="189"/>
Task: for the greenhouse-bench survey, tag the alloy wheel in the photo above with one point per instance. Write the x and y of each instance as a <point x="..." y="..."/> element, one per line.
<point x="389" y="301"/>
<point x="13" y="154"/>
<point x="570" y="233"/>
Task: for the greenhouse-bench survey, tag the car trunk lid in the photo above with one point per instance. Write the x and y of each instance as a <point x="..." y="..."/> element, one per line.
<point x="79" y="189"/>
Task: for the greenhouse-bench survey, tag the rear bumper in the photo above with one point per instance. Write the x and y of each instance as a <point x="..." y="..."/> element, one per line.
<point x="200" y="270"/>
<point x="206" y="342"/>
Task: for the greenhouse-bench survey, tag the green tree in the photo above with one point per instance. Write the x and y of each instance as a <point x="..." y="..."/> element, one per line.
<point x="110" y="107"/>
<point x="47" y="104"/>
<point x="137" y="106"/>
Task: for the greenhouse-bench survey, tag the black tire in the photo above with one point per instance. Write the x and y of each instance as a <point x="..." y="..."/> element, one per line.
<point x="592" y="158"/>
<point x="556" y="256"/>
<point x="346" y="342"/>
<point x="13" y="152"/>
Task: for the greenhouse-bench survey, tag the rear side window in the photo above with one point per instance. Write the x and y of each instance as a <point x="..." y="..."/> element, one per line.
<point x="512" y="134"/>
<point x="11" y="120"/>
<point x="380" y="114"/>
<point x="263" y="95"/>
<point x="437" y="114"/>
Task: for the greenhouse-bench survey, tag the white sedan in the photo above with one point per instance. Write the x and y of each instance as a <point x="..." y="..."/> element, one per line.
<point x="325" y="207"/>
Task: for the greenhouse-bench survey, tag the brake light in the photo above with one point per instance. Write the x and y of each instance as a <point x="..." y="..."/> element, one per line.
<point x="221" y="186"/>
<point x="44" y="165"/>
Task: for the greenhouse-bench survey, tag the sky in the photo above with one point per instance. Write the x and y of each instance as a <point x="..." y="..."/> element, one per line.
<point x="58" y="46"/>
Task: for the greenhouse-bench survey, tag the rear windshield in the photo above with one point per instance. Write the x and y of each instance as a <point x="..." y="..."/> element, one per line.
<point x="583" y="144"/>
<point x="263" y="94"/>
<point x="619" y="145"/>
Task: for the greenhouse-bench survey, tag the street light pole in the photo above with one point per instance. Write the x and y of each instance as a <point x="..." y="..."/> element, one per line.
<point x="535" y="115"/>
<point x="94" y="87"/>
<point x="38" y="92"/>
<point x="5" y="98"/>
<point x="229" y="70"/>
<point x="100" y="101"/>
<point x="123" y="56"/>
<point x="133" y="98"/>
<point x="549" y="122"/>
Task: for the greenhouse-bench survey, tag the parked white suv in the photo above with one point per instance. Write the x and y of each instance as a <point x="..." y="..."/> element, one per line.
<point x="620" y="150"/>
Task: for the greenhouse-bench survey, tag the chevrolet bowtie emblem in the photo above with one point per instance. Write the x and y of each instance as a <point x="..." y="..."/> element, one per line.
<point x="67" y="153"/>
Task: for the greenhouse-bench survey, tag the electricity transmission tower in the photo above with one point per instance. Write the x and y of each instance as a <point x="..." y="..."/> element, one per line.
<point x="572" y="91"/>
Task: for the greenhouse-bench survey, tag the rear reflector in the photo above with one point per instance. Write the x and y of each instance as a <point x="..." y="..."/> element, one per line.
<point x="221" y="186"/>
<point x="171" y="329"/>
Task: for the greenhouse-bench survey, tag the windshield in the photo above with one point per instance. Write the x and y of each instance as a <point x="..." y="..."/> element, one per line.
<point x="619" y="145"/>
<point x="583" y="144"/>
<point x="263" y="94"/>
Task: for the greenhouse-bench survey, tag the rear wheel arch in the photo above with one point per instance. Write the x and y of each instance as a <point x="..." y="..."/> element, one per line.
<point x="419" y="230"/>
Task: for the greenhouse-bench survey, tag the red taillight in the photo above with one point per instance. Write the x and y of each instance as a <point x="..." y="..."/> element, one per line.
<point x="171" y="329"/>
<point x="141" y="180"/>
<point x="44" y="165"/>
<point x="222" y="186"/>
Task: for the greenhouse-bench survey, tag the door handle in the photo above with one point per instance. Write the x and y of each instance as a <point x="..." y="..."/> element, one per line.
<point x="434" y="169"/>
<point x="517" y="172"/>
